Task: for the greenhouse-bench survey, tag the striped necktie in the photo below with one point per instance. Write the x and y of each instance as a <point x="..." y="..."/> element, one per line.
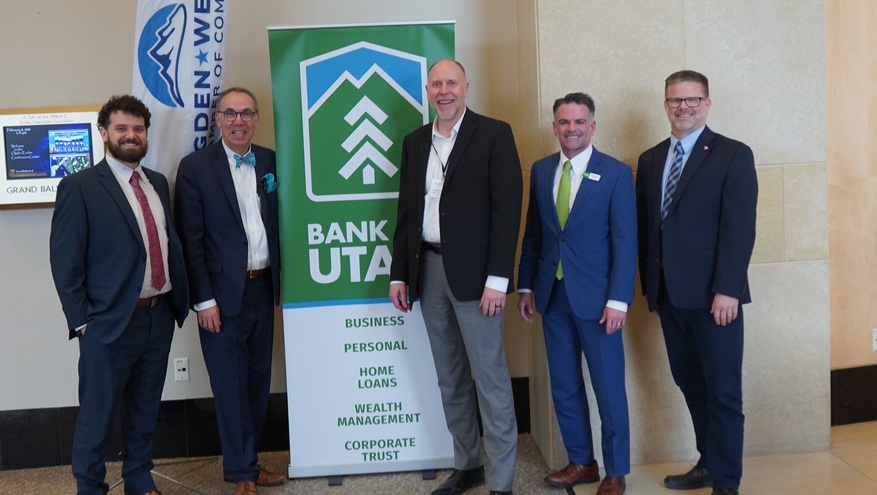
<point x="672" y="180"/>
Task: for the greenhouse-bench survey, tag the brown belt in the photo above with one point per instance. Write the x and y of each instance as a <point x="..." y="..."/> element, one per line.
<point x="147" y="302"/>
<point x="255" y="273"/>
<point x="435" y="248"/>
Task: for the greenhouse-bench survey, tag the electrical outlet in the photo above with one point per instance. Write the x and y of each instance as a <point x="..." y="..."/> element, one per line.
<point x="874" y="339"/>
<point x="181" y="369"/>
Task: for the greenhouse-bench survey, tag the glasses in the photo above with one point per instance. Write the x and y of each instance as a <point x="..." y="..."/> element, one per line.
<point x="247" y="115"/>
<point x="691" y="101"/>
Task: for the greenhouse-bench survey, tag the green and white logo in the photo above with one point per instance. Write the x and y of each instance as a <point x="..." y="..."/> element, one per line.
<point x="358" y="104"/>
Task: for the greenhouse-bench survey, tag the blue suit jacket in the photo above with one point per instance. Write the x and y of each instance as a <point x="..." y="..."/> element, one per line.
<point x="98" y="257"/>
<point x="211" y="228"/>
<point x="597" y="246"/>
<point x="707" y="238"/>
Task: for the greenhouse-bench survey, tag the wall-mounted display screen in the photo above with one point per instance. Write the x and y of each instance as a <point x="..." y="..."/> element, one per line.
<point x="40" y="148"/>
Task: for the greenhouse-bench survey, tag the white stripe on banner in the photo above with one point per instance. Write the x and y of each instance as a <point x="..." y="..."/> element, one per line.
<point x="179" y="56"/>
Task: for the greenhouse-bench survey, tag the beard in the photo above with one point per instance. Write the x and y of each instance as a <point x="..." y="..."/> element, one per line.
<point x="128" y="155"/>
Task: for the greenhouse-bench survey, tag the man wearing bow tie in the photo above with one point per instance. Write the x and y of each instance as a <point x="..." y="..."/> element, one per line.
<point x="226" y="209"/>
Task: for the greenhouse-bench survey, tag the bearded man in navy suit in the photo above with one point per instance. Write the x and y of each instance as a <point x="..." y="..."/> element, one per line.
<point x="226" y="204"/>
<point x="119" y="271"/>
<point x="696" y="197"/>
<point x="578" y="261"/>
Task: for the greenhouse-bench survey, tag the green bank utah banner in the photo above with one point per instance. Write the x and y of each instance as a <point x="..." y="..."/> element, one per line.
<point x="361" y="384"/>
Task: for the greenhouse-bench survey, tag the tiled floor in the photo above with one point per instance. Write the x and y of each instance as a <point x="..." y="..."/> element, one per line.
<point x="848" y="468"/>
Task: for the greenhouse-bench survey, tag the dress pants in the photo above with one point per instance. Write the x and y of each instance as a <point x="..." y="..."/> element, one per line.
<point x="130" y="372"/>
<point x="706" y="361"/>
<point x="467" y="344"/>
<point x="238" y="360"/>
<point x="566" y="338"/>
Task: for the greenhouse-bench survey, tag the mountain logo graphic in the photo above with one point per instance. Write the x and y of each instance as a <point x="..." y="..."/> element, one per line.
<point x="158" y="53"/>
<point x="358" y="103"/>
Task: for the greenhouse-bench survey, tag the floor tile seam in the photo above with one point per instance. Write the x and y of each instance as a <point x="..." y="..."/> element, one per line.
<point x="854" y="468"/>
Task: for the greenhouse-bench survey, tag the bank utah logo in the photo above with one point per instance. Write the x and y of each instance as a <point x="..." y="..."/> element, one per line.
<point x="158" y="54"/>
<point x="358" y="103"/>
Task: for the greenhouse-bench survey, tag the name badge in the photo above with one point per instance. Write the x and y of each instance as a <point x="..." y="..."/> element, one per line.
<point x="435" y="189"/>
<point x="592" y="176"/>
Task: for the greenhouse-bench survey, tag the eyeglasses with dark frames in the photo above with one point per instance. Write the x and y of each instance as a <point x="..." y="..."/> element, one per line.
<point x="691" y="101"/>
<point x="246" y="115"/>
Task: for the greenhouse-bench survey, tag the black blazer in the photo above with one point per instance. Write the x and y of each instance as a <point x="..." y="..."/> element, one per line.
<point x="480" y="207"/>
<point x="98" y="257"/>
<point x="707" y="238"/>
<point x="211" y="228"/>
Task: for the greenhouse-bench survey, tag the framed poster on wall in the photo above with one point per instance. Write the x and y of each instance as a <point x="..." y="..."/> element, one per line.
<point x="39" y="147"/>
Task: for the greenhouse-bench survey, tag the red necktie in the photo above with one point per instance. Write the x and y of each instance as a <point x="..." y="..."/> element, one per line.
<point x="156" y="263"/>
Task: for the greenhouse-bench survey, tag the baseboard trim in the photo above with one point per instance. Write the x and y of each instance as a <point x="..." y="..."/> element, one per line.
<point x="852" y="395"/>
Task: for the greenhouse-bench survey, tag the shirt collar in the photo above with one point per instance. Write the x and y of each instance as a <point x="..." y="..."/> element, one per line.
<point x="580" y="161"/>
<point x="454" y="131"/>
<point x="229" y="154"/>
<point x="688" y="141"/>
<point x="122" y="170"/>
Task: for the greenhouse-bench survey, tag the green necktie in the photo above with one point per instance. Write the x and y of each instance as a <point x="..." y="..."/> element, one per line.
<point x="562" y="204"/>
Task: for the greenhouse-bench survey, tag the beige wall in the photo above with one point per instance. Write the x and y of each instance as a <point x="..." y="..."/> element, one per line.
<point x="852" y="179"/>
<point x="765" y="61"/>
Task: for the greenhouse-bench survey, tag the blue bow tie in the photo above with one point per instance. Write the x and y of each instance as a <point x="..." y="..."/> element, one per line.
<point x="249" y="159"/>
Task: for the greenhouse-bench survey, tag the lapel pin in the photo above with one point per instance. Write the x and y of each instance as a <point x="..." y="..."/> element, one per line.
<point x="706" y="148"/>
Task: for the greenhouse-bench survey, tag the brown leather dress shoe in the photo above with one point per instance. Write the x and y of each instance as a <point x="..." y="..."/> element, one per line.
<point x="245" y="488"/>
<point x="612" y="486"/>
<point x="574" y="474"/>
<point x="269" y="478"/>
<point x="265" y="478"/>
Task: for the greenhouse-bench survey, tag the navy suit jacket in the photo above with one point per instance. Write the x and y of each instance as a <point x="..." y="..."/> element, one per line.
<point x="211" y="228"/>
<point x="98" y="256"/>
<point x="597" y="245"/>
<point x="480" y="207"/>
<point x="707" y="238"/>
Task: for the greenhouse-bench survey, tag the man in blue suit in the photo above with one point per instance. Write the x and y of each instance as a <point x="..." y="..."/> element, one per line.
<point x="119" y="271"/>
<point x="226" y="204"/>
<point x="578" y="263"/>
<point x="696" y="196"/>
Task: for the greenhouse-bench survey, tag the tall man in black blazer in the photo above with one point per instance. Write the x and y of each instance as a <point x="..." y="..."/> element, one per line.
<point x="226" y="205"/>
<point x="696" y="196"/>
<point x="454" y="248"/>
<point x="119" y="271"/>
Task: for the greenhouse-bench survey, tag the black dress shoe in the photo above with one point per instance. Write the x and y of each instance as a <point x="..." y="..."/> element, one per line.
<point x="698" y="477"/>
<point x="494" y="492"/>
<point x="460" y="481"/>
<point x="725" y="491"/>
